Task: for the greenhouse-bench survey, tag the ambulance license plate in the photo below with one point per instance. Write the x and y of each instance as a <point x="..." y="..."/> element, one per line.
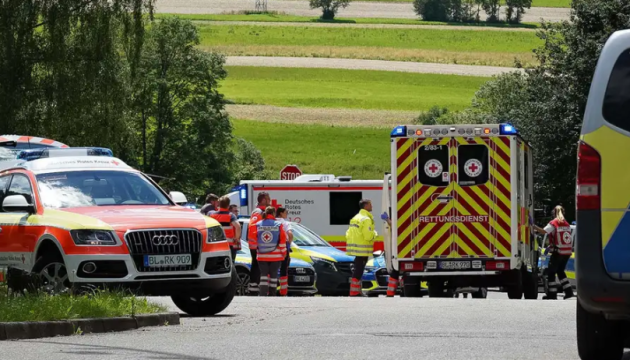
<point x="455" y="265"/>
<point x="302" y="278"/>
<point x="167" y="260"/>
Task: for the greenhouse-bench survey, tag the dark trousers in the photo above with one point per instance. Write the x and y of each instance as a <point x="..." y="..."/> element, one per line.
<point x="269" y="277"/>
<point x="233" y="253"/>
<point x="557" y="265"/>
<point x="359" y="267"/>
<point x="284" y="268"/>
<point x="254" y="274"/>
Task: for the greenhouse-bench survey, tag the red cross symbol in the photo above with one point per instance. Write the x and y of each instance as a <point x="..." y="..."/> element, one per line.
<point x="267" y="237"/>
<point x="473" y="168"/>
<point x="433" y="168"/>
<point x="115" y="162"/>
<point x="275" y="204"/>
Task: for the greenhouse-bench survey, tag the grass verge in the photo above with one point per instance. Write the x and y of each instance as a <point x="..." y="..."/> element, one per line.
<point x="431" y="45"/>
<point x="350" y="89"/>
<point x="362" y="153"/>
<point x="284" y="18"/>
<point x="67" y="307"/>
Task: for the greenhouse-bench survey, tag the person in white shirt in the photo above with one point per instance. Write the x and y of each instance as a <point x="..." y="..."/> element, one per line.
<point x="281" y="216"/>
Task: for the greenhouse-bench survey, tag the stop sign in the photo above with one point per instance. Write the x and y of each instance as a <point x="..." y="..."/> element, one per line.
<point x="290" y="172"/>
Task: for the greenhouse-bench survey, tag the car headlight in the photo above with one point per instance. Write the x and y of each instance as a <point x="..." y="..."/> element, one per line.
<point x="93" y="237"/>
<point x="324" y="263"/>
<point x="369" y="269"/>
<point x="216" y="234"/>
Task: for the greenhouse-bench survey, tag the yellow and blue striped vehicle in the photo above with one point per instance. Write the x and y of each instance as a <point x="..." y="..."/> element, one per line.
<point x="602" y="247"/>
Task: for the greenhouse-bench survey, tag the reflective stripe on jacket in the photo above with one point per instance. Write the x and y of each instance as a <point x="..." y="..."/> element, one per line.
<point x="563" y="241"/>
<point x="256" y="216"/>
<point x="271" y="239"/>
<point x="361" y="234"/>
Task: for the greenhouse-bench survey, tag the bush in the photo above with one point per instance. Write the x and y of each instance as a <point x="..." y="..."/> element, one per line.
<point x="434" y="10"/>
<point x="469" y="10"/>
<point x="492" y="8"/>
<point x="329" y="7"/>
<point x="431" y="117"/>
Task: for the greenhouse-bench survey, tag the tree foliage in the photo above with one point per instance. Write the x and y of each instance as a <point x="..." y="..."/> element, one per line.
<point x="469" y="10"/>
<point x="547" y="103"/>
<point x="329" y="7"/>
<point x="101" y="73"/>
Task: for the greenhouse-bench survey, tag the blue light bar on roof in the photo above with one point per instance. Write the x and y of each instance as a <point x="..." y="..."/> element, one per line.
<point x="399" y="131"/>
<point x="508" y="129"/>
<point x="41" y="153"/>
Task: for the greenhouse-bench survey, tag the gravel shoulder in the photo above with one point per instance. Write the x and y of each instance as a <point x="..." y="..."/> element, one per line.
<point x="359" y="26"/>
<point x="356" y="9"/>
<point x="321" y="116"/>
<point x="354" y="64"/>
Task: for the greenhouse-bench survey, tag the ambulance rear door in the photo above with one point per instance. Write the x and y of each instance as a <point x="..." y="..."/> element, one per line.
<point x="473" y="207"/>
<point x="422" y="197"/>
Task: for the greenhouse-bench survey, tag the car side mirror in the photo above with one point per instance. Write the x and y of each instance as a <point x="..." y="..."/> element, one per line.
<point x="178" y="197"/>
<point x="377" y="253"/>
<point x="17" y="203"/>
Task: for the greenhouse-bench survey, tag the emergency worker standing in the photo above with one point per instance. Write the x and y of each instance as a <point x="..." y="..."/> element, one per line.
<point x="392" y="284"/>
<point x="229" y="223"/>
<point x="272" y="250"/>
<point x="252" y="240"/>
<point x="360" y="243"/>
<point x="212" y="202"/>
<point x="561" y="241"/>
<point x="281" y="216"/>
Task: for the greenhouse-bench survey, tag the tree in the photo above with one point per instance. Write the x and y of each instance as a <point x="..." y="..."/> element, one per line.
<point x="63" y="66"/>
<point x="515" y="9"/>
<point x="492" y="8"/>
<point x="329" y="7"/>
<point x="433" y="10"/>
<point x="180" y="112"/>
<point x="249" y="162"/>
<point x="431" y="117"/>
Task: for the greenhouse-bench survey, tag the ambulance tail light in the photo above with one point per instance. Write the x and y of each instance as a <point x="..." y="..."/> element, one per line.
<point x="589" y="171"/>
<point x="399" y="131"/>
<point x="412" y="266"/>
<point x="498" y="265"/>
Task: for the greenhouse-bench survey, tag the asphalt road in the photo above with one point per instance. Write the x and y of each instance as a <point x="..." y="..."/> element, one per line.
<point x="338" y="328"/>
<point x="355" y="10"/>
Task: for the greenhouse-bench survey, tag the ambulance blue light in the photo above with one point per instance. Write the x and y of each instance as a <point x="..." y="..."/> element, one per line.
<point x="242" y="193"/>
<point x="399" y="131"/>
<point x="41" y="153"/>
<point x="507" y="129"/>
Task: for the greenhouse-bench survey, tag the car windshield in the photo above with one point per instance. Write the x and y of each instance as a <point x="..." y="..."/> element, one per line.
<point x="302" y="236"/>
<point x="98" y="188"/>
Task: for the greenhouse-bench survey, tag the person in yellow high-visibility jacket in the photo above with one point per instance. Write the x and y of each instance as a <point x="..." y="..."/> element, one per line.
<point x="360" y="243"/>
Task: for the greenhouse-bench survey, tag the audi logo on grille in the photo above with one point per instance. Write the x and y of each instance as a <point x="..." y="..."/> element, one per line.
<point x="165" y="240"/>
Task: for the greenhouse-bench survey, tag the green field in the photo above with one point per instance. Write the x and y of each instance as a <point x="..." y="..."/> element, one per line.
<point x="498" y="48"/>
<point x="353" y="89"/>
<point x="281" y="18"/>
<point x="362" y="153"/>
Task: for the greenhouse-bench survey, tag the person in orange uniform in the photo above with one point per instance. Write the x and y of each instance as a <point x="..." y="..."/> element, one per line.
<point x="281" y="215"/>
<point x="230" y="224"/>
<point x="272" y="250"/>
<point x="252" y="240"/>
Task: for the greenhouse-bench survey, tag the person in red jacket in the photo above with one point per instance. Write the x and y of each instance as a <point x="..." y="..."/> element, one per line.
<point x="263" y="201"/>
<point x="230" y="224"/>
<point x="561" y="241"/>
<point x="272" y="251"/>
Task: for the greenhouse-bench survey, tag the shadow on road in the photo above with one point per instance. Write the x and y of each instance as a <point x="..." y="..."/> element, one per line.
<point x="149" y="354"/>
<point x="186" y="316"/>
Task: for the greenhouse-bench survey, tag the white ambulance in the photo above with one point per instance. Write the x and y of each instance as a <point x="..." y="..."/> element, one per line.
<point x="323" y="203"/>
<point x="460" y="203"/>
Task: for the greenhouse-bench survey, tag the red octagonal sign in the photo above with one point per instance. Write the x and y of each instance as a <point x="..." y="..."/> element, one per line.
<point x="290" y="172"/>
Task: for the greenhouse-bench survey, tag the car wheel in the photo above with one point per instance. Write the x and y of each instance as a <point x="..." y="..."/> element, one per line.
<point x="210" y="305"/>
<point x="242" y="286"/>
<point x="515" y="290"/>
<point x="482" y="293"/>
<point x="530" y="283"/>
<point x="412" y="289"/>
<point x="597" y="338"/>
<point x="53" y="274"/>
<point x="372" y="295"/>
